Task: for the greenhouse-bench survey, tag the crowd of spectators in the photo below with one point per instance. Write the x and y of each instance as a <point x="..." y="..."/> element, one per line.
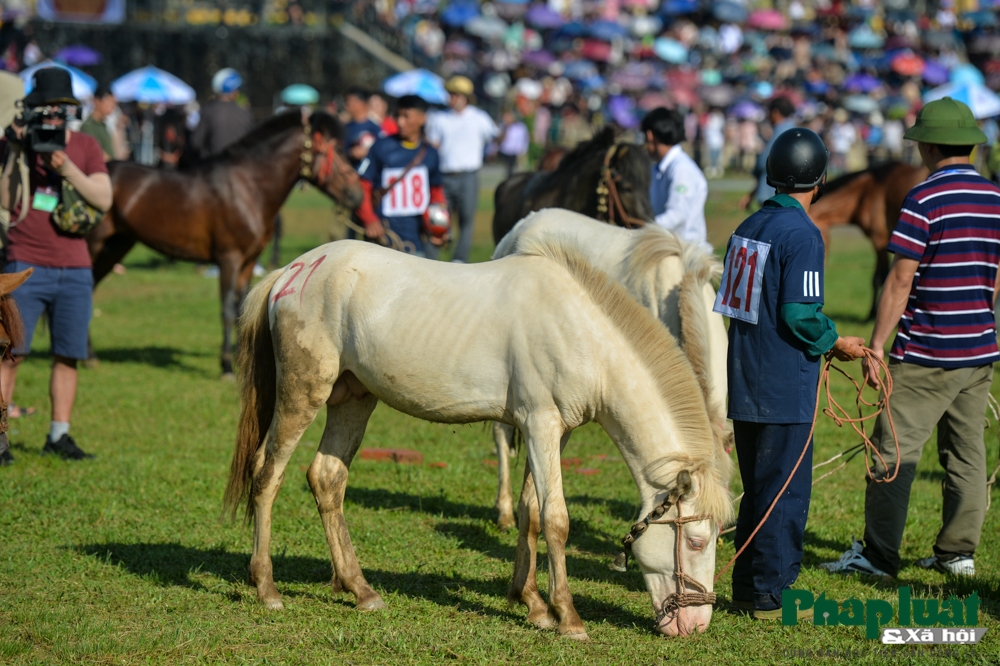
<point x="857" y="73"/>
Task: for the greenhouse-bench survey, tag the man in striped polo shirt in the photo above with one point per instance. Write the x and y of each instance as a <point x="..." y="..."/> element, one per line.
<point x="940" y="293"/>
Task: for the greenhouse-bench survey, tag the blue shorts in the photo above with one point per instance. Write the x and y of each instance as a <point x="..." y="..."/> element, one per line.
<point x="66" y="295"/>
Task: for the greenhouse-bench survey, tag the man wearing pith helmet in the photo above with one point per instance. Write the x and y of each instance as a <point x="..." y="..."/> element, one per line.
<point x="939" y="298"/>
<point x="772" y="291"/>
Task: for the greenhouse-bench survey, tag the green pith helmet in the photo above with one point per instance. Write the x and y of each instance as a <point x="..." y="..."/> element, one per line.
<point x="946" y="122"/>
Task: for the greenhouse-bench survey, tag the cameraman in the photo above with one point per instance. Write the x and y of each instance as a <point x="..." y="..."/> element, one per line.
<point x="62" y="282"/>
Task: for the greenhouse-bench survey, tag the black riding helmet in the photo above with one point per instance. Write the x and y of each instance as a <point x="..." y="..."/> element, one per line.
<point x="797" y="160"/>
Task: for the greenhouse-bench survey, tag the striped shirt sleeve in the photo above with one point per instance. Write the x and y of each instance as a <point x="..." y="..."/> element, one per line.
<point x="912" y="231"/>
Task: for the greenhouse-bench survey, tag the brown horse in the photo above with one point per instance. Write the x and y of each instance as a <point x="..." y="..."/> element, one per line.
<point x="872" y="200"/>
<point x="11" y="336"/>
<point x="602" y="178"/>
<point x="222" y="210"/>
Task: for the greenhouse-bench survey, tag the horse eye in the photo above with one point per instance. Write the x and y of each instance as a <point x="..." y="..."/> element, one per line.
<point x="696" y="544"/>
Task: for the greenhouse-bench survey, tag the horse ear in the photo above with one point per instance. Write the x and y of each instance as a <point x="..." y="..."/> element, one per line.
<point x="683" y="483"/>
<point x="11" y="281"/>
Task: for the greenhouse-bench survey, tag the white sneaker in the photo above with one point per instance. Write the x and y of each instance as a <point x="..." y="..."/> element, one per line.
<point x="854" y="562"/>
<point x="957" y="566"/>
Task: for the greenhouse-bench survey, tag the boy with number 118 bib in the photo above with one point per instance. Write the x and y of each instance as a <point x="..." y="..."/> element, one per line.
<point x="404" y="171"/>
<point x="772" y="290"/>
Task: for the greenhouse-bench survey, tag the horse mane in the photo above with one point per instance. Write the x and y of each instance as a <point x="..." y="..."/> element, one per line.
<point x="879" y="172"/>
<point x="670" y="371"/>
<point x="258" y="141"/>
<point x="652" y="245"/>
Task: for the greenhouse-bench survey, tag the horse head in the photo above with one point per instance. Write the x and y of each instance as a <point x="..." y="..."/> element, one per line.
<point x="629" y="169"/>
<point x="324" y="164"/>
<point x="677" y="552"/>
<point x="11" y="334"/>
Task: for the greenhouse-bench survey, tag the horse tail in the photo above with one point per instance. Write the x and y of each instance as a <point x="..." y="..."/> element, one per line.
<point x="257" y="371"/>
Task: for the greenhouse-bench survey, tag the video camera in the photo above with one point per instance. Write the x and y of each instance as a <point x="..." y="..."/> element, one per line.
<point x="40" y="133"/>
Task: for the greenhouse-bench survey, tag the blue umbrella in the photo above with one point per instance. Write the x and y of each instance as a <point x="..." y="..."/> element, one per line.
<point x="574" y="29"/>
<point x="151" y="85"/>
<point x="679" y="7"/>
<point x="580" y="70"/>
<point x="865" y="38"/>
<point x="459" y="12"/>
<point x="419" y="82"/>
<point x="730" y="12"/>
<point x="982" y="19"/>
<point x="607" y="30"/>
<point x="984" y="102"/>
<point x="670" y="50"/>
<point x="543" y="17"/>
<point x="299" y="94"/>
<point x="78" y="55"/>
<point x="966" y="74"/>
<point x="863" y="83"/>
<point x="84" y="84"/>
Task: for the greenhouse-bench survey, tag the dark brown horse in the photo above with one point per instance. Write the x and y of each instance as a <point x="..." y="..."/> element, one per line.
<point x="11" y="336"/>
<point x="872" y="200"/>
<point x="577" y="183"/>
<point x="222" y="210"/>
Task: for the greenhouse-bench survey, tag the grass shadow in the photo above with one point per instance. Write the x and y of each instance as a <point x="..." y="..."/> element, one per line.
<point x="380" y="498"/>
<point x="155" y="356"/>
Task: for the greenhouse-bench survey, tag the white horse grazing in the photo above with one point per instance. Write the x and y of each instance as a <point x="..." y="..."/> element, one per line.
<point x="540" y="341"/>
<point x="668" y="277"/>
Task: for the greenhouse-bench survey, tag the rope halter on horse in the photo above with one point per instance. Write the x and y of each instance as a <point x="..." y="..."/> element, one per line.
<point x="674" y="602"/>
<point x="607" y="188"/>
<point x="324" y="147"/>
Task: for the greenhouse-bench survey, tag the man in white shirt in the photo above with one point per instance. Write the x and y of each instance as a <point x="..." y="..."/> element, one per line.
<point x="461" y="136"/>
<point x="678" y="188"/>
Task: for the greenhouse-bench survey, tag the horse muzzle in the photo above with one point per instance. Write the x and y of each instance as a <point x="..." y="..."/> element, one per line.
<point x="685" y="621"/>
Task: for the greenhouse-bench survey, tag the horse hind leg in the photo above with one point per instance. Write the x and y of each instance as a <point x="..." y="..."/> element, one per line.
<point x="503" y="437"/>
<point x="345" y="428"/>
<point x="299" y="399"/>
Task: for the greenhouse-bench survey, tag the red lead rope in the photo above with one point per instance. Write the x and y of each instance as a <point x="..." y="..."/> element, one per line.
<point x="840" y="416"/>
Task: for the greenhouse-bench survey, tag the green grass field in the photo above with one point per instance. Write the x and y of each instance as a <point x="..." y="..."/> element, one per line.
<point x="126" y="558"/>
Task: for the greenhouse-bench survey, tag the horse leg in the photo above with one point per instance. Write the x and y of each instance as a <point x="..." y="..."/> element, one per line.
<point x="229" y="274"/>
<point x="544" y="460"/>
<point x="106" y="252"/>
<point x="878" y="279"/>
<point x="524" y="585"/>
<point x="345" y="428"/>
<point x="503" y="437"/>
<point x="292" y="415"/>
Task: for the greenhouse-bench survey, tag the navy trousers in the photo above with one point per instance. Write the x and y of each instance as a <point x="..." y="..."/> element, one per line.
<point x="767" y="452"/>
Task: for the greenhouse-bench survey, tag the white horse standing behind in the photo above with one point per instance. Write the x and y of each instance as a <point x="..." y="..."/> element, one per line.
<point x="668" y="277"/>
<point x="540" y="341"/>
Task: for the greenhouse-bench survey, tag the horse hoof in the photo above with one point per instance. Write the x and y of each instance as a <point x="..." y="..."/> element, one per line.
<point x="505" y="524"/>
<point x="274" y="604"/>
<point x="577" y="636"/>
<point x="228" y="377"/>
<point x="545" y="621"/>
<point x="371" y="604"/>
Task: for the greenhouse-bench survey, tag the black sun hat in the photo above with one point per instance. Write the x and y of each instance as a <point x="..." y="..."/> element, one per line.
<point x="51" y="85"/>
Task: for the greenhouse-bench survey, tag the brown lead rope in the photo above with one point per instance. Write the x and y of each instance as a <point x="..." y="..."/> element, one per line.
<point x="885" y="390"/>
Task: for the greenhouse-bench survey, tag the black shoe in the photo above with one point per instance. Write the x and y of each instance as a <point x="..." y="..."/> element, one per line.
<point x="6" y="458"/>
<point x="65" y="447"/>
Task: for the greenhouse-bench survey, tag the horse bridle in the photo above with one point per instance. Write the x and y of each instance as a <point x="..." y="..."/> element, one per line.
<point x="607" y="193"/>
<point x="674" y="602"/>
<point x="328" y="148"/>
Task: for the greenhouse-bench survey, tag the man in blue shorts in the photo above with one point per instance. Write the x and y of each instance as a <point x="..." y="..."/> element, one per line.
<point x="62" y="283"/>
<point x="403" y="187"/>
<point x="772" y="290"/>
